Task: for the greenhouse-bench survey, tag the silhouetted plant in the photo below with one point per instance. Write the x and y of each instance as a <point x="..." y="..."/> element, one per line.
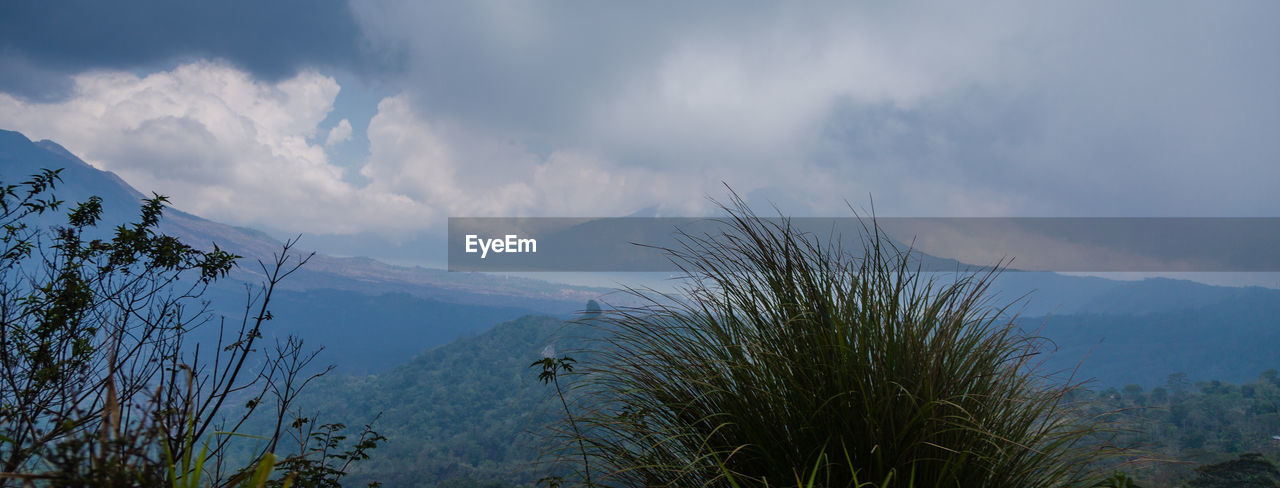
<point x="324" y="457"/>
<point x="101" y="383"/>
<point x="550" y="374"/>
<point x="783" y="348"/>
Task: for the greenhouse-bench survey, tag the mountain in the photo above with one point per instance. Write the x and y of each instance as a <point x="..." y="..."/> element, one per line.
<point x="338" y="301"/>
<point x="414" y="308"/>
<point x="456" y="392"/>
<point x="1044" y="293"/>
<point x="369" y="315"/>
<point x="1233" y="340"/>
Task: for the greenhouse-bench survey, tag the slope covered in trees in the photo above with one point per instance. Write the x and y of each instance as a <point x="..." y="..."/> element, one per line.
<point x="461" y="412"/>
<point x="1227" y="341"/>
<point x="1192" y="425"/>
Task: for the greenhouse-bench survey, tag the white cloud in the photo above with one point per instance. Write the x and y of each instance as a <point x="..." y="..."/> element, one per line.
<point x="1007" y="109"/>
<point x="467" y="174"/>
<point x="220" y="144"/>
<point x="339" y="133"/>
<point x="227" y="147"/>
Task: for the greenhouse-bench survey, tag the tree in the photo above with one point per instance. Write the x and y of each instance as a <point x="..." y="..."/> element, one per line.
<point x="1159" y="395"/>
<point x="592" y="311"/>
<point x="1270" y="376"/>
<point x="1249" y="471"/>
<point x="785" y="356"/>
<point x="1178" y="383"/>
<point x="99" y="376"/>
<point x="1117" y="480"/>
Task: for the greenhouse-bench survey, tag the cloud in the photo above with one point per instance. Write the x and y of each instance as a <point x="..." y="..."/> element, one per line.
<point x="1006" y="109"/>
<point x="232" y="148"/>
<point x="271" y="40"/>
<point x="725" y="93"/>
<point x="339" y="134"/>
<point x="220" y="143"/>
<point x="521" y="108"/>
<point x="463" y="173"/>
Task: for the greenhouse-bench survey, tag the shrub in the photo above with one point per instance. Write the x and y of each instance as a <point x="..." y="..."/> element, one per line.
<point x="785" y="357"/>
<point x="101" y="380"/>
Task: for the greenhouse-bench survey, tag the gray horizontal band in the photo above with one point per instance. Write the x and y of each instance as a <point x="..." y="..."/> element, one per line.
<point x="1073" y="244"/>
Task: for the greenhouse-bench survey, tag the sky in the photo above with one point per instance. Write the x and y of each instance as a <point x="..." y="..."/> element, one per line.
<point x="363" y="122"/>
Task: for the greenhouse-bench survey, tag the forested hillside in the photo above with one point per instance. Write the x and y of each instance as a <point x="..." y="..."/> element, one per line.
<point x="369" y="315"/>
<point x="462" y="411"/>
<point x="1231" y="340"/>
<point x="460" y="415"/>
<point x="1183" y="425"/>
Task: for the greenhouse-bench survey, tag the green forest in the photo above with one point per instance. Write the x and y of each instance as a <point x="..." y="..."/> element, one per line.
<point x="465" y="414"/>
<point x="1184" y="426"/>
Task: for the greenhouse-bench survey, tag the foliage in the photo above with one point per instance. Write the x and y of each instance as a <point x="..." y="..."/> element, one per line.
<point x="457" y="415"/>
<point x="100" y="384"/>
<point x="550" y="374"/>
<point x="1118" y="480"/>
<point x="784" y="346"/>
<point x="1180" y="424"/>
<point x="1249" y="471"/>
<point x="326" y="442"/>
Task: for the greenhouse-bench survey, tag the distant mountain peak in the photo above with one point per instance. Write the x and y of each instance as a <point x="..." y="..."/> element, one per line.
<point x="58" y="150"/>
<point x="650" y="211"/>
<point x="20" y="158"/>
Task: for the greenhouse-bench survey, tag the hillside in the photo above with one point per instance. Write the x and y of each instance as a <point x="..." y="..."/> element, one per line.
<point x="1231" y="340"/>
<point x="455" y="390"/>
<point x="462" y="411"/>
<point x="459" y="415"/>
<point x="20" y="157"/>
<point x="369" y="315"/>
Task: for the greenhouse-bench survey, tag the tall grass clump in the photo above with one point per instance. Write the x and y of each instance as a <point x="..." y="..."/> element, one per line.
<point x="787" y="360"/>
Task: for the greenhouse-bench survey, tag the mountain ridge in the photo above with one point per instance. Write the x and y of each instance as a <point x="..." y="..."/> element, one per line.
<point x="333" y="302"/>
<point x="20" y="157"/>
<point x="352" y="280"/>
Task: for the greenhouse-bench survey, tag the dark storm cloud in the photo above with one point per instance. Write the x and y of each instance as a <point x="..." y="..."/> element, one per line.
<point x="522" y="65"/>
<point x="1071" y="108"/>
<point x="43" y="42"/>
